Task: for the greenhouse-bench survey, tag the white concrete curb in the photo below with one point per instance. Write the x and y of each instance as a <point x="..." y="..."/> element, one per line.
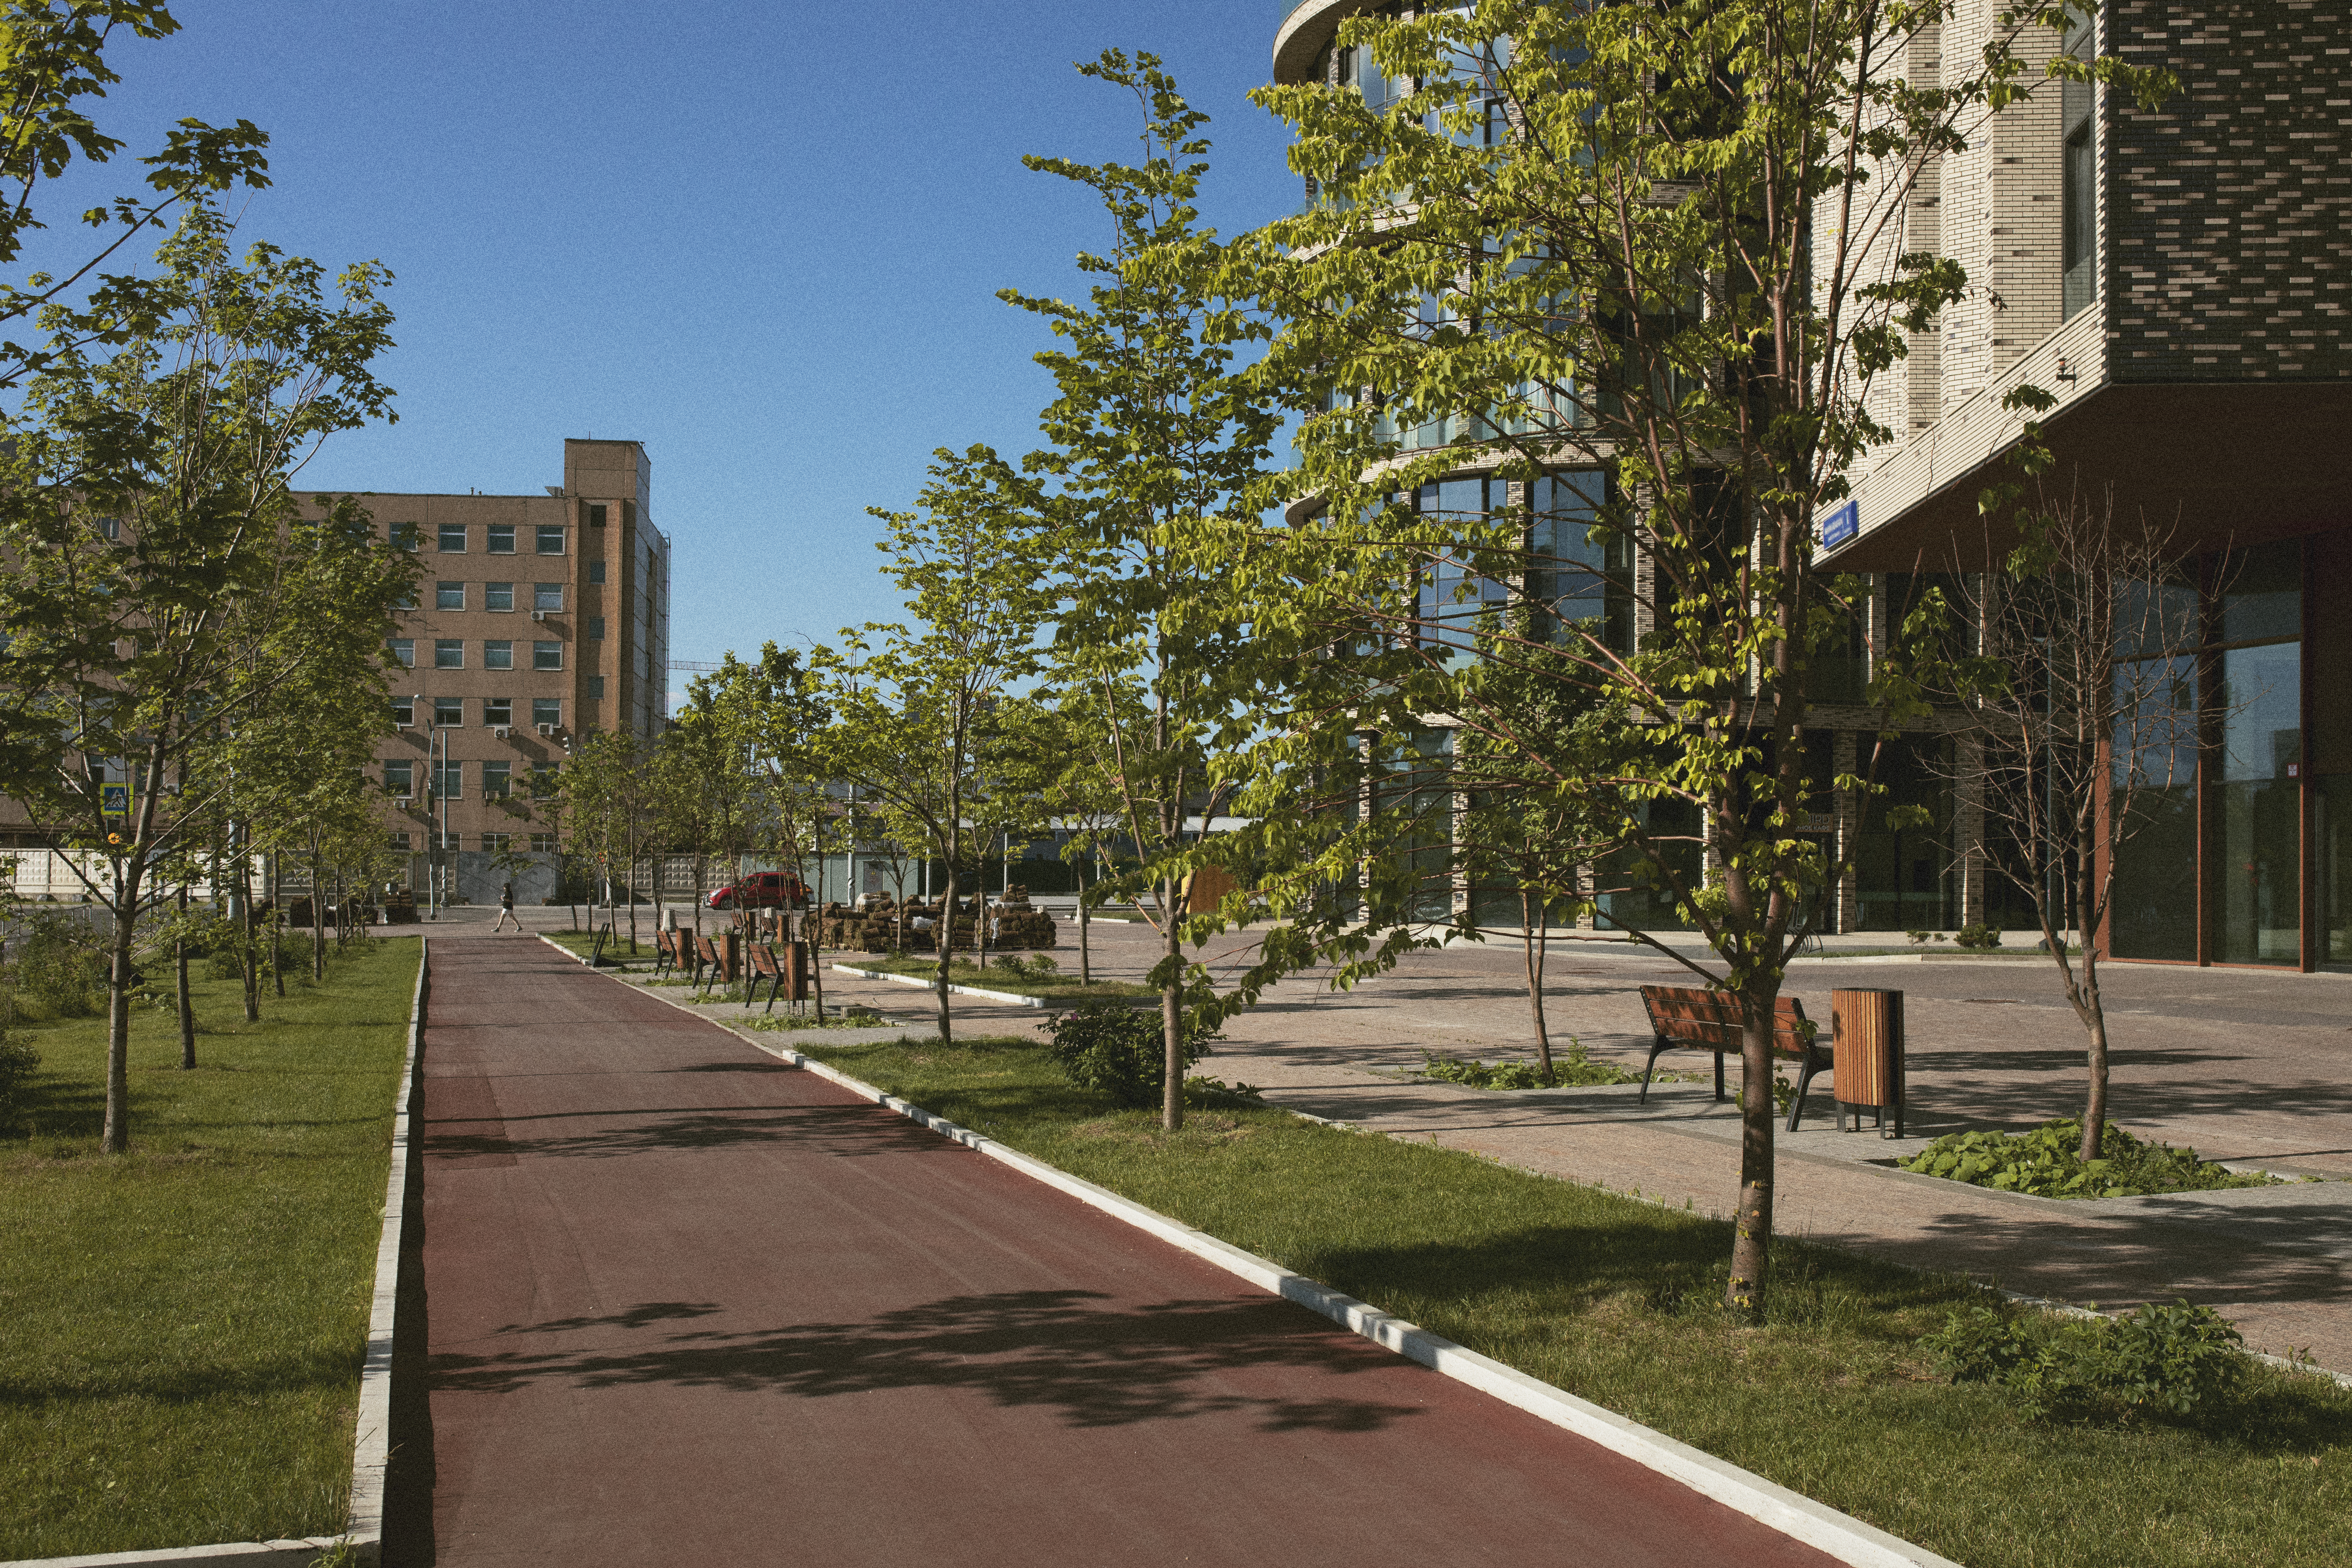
<point x="371" y="1431"/>
<point x="1837" y="1535"/>
<point x="1014" y="997"/>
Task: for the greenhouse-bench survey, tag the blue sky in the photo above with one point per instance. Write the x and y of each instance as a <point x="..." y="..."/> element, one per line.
<point x="764" y="239"/>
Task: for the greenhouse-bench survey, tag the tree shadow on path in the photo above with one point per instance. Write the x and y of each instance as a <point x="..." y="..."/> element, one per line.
<point x="1093" y="1362"/>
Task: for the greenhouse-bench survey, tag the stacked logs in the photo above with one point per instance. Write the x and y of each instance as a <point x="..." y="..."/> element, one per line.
<point x="876" y="924"/>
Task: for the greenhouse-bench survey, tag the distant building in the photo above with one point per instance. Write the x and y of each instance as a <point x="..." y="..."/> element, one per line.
<point x="538" y="619"/>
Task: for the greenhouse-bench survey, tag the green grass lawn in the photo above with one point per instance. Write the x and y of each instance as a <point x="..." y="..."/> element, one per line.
<point x="182" y="1328"/>
<point x="1614" y="1300"/>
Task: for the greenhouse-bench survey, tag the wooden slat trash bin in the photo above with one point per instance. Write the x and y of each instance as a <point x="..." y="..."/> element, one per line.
<point x="1866" y="1035"/>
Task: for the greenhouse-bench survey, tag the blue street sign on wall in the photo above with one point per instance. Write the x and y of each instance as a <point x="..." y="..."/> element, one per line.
<point x="1840" y="525"/>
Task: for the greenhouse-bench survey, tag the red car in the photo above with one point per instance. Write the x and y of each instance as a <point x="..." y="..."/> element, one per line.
<point x="761" y="890"/>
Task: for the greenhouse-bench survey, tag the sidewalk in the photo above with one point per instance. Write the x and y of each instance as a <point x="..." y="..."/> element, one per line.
<point x="2246" y="1066"/>
<point x="686" y="1305"/>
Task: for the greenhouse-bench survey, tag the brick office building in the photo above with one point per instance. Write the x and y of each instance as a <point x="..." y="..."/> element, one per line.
<point x="2181" y="279"/>
<point x="538" y="619"/>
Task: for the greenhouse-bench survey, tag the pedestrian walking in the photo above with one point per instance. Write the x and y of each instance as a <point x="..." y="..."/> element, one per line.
<point x="506" y="911"/>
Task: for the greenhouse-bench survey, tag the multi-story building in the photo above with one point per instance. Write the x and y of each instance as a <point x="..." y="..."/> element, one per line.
<point x="538" y="619"/>
<point x="2180" y="278"/>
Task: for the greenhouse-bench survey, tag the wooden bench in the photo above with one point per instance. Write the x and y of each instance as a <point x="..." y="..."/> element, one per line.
<point x="665" y="951"/>
<point x="710" y="966"/>
<point x="1683" y="1017"/>
<point x="787" y="976"/>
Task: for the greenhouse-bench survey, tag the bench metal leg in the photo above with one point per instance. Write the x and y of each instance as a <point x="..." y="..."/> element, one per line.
<point x="1804" y="1082"/>
<point x="1649" y="1071"/>
<point x="1718" y="1077"/>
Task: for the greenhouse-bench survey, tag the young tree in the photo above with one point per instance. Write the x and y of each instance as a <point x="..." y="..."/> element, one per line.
<point x="912" y="705"/>
<point x="147" y="522"/>
<point x="2078" y="723"/>
<point x="1154" y="431"/>
<point x="1662" y="245"/>
<point x="608" y="794"/>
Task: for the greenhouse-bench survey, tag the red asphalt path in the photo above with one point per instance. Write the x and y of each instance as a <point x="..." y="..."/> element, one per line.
<point x="685" y="1304"/>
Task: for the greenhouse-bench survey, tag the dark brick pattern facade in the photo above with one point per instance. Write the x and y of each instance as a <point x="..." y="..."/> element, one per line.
<point x="2230" y="210"/>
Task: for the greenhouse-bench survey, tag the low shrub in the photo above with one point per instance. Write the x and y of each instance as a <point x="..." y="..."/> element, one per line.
<point x="1215" y="1094"/>
<point x="59" y="967"/>
<point x="2177" y="1360"/>
<point x="2046" y="1163"/>
<point x="1571" y="1069"/>
<point x="1979" y="937"/>
<point x="18" y="1063"/>
<point x="1119" y="1051"/>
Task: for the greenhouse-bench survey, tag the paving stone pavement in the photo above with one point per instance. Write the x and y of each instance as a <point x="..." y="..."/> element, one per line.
<point x="2244" y="1065"/>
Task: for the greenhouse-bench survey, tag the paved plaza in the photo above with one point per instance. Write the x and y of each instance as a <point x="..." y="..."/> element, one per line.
<point x="2244" y="1065"/>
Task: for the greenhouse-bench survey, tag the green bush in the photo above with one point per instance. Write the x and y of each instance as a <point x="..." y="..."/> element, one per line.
<point x="17" y="1062"/>
<point x="1120" y="1050"/>
<point x="2173" y="1361"/>
<point x="1575" y="1069"/>
<point x="2047" y="1163"/>
<point x="60" y="966"/>
<point x="1979" y="937"/>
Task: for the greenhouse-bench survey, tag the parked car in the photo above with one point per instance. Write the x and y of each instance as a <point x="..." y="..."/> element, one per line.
<point x="761" y="890"/>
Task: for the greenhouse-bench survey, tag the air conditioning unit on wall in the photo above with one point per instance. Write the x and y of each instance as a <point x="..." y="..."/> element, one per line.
<point x="502" y="730"/>
<point x="547" y="729"/>
<point x="539" y="615"/>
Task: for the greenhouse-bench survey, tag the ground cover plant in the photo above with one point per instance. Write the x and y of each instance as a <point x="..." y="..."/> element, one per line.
<point x="1837" y="1393"/>
<point x="182" y="1326"/>
<point x="1576" y="1069"/>
<point x="2046" y="1163"/>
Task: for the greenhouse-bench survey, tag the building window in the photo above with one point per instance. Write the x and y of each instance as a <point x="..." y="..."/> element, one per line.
<point x="595" y="686"/>
<point x="542" y="780"/>
<point x="404" y="710"/>
<point x="400" y="777"/>
<point x="453" y="539"/>
<point x="404" y="652"/>
<point x="448" y="653"/>
<point x="496" y="711"/>
<point x="596" y="628"/>
<point x="496" y="843"/>
<point x="448" y="712"/>
<point x="449" y="596"/>
<point x="546" y="597"/>
<point x="403" y="537"/>
<point x="547" y="711"/>
<point x="497" y="595"/>
<point x="498" y="654"/>
<point x="406" y="600"/>
<point x="595" y="571"/>
<point x="547" y="656"/>
<point x="449" y="781"/>
<point x="543" y="843"/>
<point x="1579" y="584"/>
<point x="496" y="777"/>
<point x="2078" y="174"/>
<point x="596" y="516"/>
<point x="502" y="539"/>
<point x="395" y="841"/>
<point x="551" y="538"/>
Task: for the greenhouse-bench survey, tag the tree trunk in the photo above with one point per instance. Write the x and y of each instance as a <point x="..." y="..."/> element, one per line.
<point x="945" y="932"/>
<point x="1530" y="914"/>
<point x="277" y="939"/>
<point x="1085" y="958"/>
<point x="116" y="1136"/>
<point x="1171" y="1012"/>
<point x="248" y="954"/>
<point x="188" y="1004"/>
<point x="318" y="920"/>
<point x="633" y="906"/>
<point x="1751" y="1244"/>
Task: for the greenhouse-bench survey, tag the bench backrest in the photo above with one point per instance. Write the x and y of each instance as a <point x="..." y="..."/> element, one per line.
<point x="764" y="959"/>
<point x="707" y="948"/>
<point x="1710" y="1020"/>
